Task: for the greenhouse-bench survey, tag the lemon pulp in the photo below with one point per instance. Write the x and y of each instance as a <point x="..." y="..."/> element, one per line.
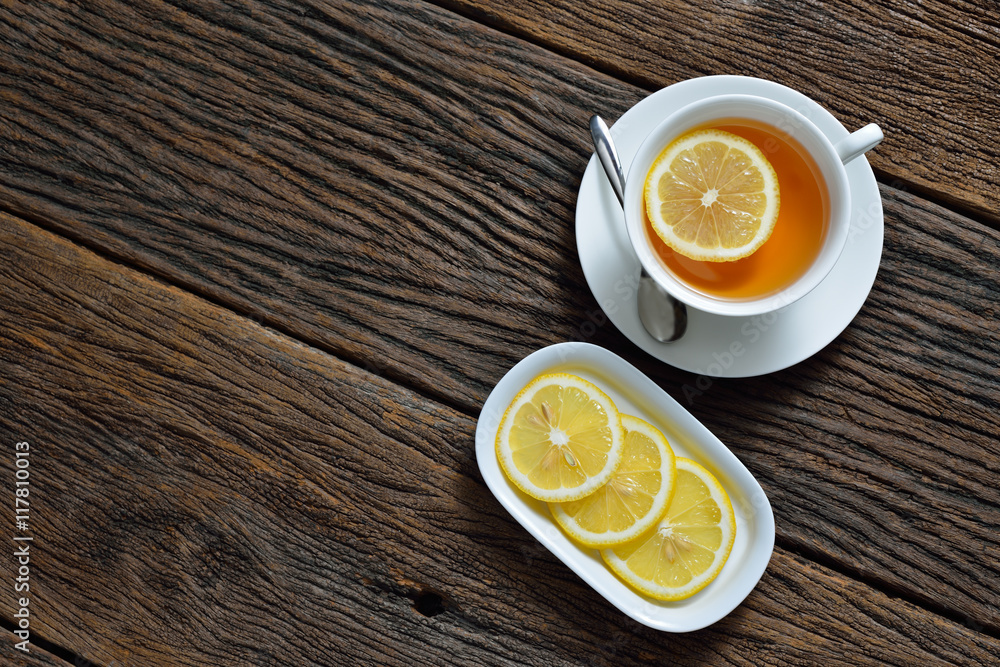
<point x="560" y="439"/>
<point x="687" y="548"/>
<point x="712" y="195"/>
<point x="633" y="499"/>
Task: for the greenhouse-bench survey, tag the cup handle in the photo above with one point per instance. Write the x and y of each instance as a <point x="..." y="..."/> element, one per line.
<point x="859" y="143"/>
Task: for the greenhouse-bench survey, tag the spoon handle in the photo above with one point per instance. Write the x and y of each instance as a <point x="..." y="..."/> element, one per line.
<point x="608" y="156"/>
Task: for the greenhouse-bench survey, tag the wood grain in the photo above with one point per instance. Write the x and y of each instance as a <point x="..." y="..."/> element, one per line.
<point x="925" y="72"/>
<point x="343" y="170"/>
<point x="251" y="159"/>
<point x="35" y="657"/>
<point x="211" y="492"/>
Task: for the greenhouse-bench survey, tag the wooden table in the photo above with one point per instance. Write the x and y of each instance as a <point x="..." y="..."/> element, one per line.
<point x="263" y="262"/>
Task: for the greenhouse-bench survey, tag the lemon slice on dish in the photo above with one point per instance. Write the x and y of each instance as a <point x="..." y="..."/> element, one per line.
<point x="560" y="439"/>
<point x="712" y="195"/>
<point x="634" y="498"/>
<point x="687" y="548"/>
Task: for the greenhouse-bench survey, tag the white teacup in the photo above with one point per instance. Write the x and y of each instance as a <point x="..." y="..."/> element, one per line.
<point x="829" y="158"/>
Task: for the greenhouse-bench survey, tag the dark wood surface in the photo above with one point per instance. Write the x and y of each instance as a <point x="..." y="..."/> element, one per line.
<point x="285" y="506"/>
<point x="262" y="265"/>
<point x="37" y="657"/>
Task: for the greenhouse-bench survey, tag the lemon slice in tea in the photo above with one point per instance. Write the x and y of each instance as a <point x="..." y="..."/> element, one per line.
<point x="712" y="195"/>
<point x="686" y="550"/>
<point x="634" y="498"/>
<point x="560" y="439"/>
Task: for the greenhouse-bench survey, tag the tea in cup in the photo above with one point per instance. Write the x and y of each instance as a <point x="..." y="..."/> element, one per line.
<point x="812" y="197"/>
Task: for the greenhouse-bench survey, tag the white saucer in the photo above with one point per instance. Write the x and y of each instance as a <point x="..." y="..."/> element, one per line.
<point x="716" y="345"/>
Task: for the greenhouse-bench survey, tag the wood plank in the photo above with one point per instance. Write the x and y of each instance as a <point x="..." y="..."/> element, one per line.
<point x="241" y="158"/>
<point x="924" y="71"/>
<point x="475" y="174"/>
<point x="34" y="657"/>
<point x="210" y="491"/>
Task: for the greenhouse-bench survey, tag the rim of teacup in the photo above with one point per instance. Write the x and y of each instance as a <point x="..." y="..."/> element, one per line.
<point x="703" y="113"/>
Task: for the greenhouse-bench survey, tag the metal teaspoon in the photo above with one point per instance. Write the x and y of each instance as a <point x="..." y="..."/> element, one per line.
<point x="663" y="316"/>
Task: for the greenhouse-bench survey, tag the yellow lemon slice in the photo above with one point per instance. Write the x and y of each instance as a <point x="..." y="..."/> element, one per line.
<point x="634" y="498"/>
<point x="560" y="439"/>
<point x="712" y="196"/>
<point x="686" y="550"/>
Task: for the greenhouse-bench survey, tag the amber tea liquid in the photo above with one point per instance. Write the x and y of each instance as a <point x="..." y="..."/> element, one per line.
<point x="798" y="232"/>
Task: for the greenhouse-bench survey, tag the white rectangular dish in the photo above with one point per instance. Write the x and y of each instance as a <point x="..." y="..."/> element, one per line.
<point x="635" y="394"/>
